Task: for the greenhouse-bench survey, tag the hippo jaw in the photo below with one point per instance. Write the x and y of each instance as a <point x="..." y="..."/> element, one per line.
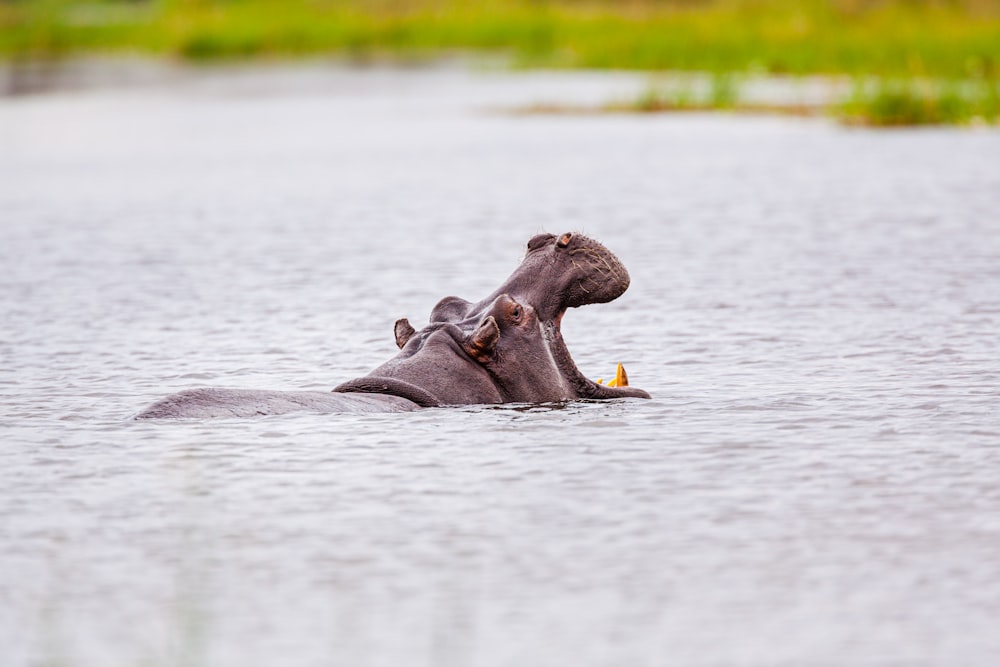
<point x="569" y="271"/>
<point x="557" y="273"/>
<point x="583" y="386"/>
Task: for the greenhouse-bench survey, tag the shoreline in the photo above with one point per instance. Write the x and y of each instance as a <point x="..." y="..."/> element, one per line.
<point x="868" y="101"/>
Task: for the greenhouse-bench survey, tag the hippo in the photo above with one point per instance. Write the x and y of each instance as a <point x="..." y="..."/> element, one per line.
<point x="506" y="348"/>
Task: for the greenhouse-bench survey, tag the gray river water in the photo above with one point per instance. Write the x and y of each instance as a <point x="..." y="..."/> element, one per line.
<point x="815" y="310"/>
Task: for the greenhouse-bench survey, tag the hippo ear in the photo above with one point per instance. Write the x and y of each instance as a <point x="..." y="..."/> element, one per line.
<point x="482" y="343"/>
<point x="404" y="331"/>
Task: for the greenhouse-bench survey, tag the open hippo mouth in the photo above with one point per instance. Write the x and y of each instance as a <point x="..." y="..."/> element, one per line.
<point x="557" y="273"/>
<point x="564" y="272"/>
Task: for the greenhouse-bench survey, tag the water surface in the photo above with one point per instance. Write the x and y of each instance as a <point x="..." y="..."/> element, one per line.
<point x="814" y="309"/>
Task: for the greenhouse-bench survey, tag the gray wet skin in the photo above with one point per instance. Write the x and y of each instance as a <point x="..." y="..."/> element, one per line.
<point x="507" y="348"/>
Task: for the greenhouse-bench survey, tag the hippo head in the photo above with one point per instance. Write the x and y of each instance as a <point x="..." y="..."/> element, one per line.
<point x="558" y="273"/>
<point x="507" y="347"/>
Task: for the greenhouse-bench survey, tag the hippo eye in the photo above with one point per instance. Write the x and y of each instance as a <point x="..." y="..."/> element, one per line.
<point x="515" y="313"/>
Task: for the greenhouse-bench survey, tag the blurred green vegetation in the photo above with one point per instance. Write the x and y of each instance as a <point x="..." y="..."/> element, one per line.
<point x="922" y="102"/>
<point x="942" y="40"/>
<point x="873" y="101"/>
<point x="889" y="37"/>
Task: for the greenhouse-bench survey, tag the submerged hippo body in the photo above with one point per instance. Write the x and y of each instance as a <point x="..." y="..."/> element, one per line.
<point x="507" y="348"/>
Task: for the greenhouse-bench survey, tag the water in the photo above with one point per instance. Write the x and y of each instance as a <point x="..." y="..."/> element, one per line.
<point x="814" y="309"/>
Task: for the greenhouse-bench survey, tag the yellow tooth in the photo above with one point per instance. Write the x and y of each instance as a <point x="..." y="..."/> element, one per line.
<point x="621" y="377"/>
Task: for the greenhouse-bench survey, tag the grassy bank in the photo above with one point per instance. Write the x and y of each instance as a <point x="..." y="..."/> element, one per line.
<point x="889" y="37"/>
<point x="894" y="46"/>
<point x="920" y="102"/>
<point x="872" y="101"/>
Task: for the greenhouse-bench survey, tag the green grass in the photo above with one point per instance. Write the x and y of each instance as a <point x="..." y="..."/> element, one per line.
<point x="722" y="94"/>
<point x="937" y="38"/>
<point x="902" y="50"/>
<point x="872" y="102"/>
<point x="920" y="102"/>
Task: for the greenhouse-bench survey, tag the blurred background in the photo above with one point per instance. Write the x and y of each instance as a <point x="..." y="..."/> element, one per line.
<point x="903" y="61"/>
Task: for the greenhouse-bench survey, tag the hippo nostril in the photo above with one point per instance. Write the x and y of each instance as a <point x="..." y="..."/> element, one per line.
<point x="564" y="240"/>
